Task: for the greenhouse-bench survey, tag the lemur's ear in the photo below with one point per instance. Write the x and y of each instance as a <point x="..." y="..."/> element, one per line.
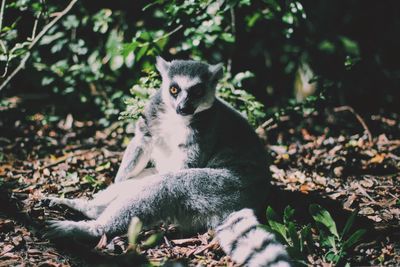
<point x="216" y="72"/>
<point x="162" y="66"/>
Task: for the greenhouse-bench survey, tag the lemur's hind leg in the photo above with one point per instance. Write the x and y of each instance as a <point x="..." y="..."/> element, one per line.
<point x="195" y="197"/>
<point x="94" y="207"/>
<point x="84" y="206"/>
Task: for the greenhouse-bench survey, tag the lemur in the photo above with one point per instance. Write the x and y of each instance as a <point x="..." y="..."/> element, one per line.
<point x="210" y="171"/>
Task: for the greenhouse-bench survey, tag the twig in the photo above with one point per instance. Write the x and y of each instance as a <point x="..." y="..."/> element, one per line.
<point x="364" y="193"/>
<point x="233" y="29"/>
<point x="162" y="37"/>
<point x="267" y="123"/>
<point x="3" y="3"/>
<point x="36" y="40"/>
<point x="362" y="122"/>
<point x="186" y="241"/>
<point x="64" y="158"/>
<point x="35" y="26"/>
<point x="233" y="20"/>
<point x="7" y="59"/>
<point x="212" y="244"/>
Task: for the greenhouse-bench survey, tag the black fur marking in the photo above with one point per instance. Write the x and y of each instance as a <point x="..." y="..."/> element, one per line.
<point x="264" y="245"/>
<point x="242" y="234"/>
<point x="231" y="225"/>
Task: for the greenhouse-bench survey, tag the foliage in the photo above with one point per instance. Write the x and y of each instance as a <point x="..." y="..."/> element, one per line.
<point x="141" y="92"/>
<point x="134" y="231"/>
<point x="98" y="51"/>
<point x="231" y="90"/>
<point x="228" y="89"/>
<point x="321" y="238"/>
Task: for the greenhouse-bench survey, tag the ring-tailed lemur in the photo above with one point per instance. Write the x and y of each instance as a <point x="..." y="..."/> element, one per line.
<point x="209" y="164"/>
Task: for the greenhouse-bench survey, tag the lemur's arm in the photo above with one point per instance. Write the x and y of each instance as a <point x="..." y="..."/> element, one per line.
<point x="137" y="154"/>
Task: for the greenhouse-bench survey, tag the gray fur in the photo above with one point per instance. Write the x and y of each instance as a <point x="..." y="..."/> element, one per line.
<point x="209" y="162"/>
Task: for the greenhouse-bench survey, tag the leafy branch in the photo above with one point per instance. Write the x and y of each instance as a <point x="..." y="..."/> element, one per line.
<point x="36" y="39"/>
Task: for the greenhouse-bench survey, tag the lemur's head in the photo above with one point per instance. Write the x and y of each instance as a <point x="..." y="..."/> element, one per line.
<point x="188" y="86"/>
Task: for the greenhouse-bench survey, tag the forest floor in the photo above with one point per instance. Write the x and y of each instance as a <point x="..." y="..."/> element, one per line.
<point x="326" y="158"/>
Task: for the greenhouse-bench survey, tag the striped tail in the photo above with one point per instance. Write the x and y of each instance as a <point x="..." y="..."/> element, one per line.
<point x="247" y="244"/>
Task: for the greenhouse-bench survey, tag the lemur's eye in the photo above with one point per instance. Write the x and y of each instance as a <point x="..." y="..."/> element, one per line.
<point x="173" y="90"/>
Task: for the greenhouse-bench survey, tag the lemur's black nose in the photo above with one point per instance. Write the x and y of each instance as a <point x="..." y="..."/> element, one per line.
<point x="185" y="110"/>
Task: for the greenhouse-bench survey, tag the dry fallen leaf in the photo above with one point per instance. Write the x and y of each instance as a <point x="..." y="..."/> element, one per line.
<point x="377" y="159"/>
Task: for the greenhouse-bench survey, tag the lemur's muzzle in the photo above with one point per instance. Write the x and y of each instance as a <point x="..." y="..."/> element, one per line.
<point x="185" y="110"/>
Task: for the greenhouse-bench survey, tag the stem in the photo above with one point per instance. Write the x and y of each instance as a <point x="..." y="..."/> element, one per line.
<point x="3" y="3"/>
<point x="358" y="117"/>
<point x="162" y="37"/>
<point x="7" y="59"/>
<point x="233" y="29"/>
<point x="35" y="26"/>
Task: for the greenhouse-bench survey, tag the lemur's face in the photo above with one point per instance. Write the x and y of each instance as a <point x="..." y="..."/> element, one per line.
<point x="188" y="86"/>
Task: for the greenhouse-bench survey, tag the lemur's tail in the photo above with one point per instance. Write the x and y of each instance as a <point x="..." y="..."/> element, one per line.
<point x="247" y="244"/>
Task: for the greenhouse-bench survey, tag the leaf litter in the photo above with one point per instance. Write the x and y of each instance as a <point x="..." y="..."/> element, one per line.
<point x="75" y="159"/>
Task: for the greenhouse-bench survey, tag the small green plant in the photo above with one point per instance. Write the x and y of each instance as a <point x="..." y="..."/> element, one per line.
<point x="94" y="183"/>
<point x="135" y="227"/>
<point x="320" y="239"/>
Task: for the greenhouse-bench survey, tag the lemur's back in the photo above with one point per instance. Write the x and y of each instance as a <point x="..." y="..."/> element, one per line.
<point x="235" y="135"/>
<point x="240" y="149"/>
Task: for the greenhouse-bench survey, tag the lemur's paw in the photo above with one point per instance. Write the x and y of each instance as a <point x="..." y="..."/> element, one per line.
<point x="52" y="201"/>
<point x="59" y="229"/>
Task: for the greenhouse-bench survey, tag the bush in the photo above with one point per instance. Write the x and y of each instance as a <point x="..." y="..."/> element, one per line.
<point x="98" y="50"/>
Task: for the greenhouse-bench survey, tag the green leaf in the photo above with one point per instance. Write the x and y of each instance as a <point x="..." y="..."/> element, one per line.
<point x="350" y="46"/>
<point x="288" y="18"/>
<point x="271" y="215"/>
<point x="328" y="241"/>
<point x="353" y="239"/>
<point x="322" y="216"/>
<point x="153" y="240"/>
<point x="349" y="224"/>
<point x="103" y="166"/>
<point x="306" y="236"/>
<point x="331" y="256"/>
<point x="327" y="47"/>
<point x="133" y="231"/>
<point x="90" y="179"/>
<point x="291" y="229"/>
<point x="279" y="229"/>
<point x="142" y="51"/>
<point x="228" y="37"/>
<point x="278" y="235"/>
<point x="288" y="214"/>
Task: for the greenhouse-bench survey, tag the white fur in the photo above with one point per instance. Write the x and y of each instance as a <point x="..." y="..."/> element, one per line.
<point x="249" y="243"/>
<point x="269" y="254"/>
<point x="174" y="130"/>
<point x="229" y="235"/>
<point x="231" y="231"/>
<point x="185" y="82"/>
